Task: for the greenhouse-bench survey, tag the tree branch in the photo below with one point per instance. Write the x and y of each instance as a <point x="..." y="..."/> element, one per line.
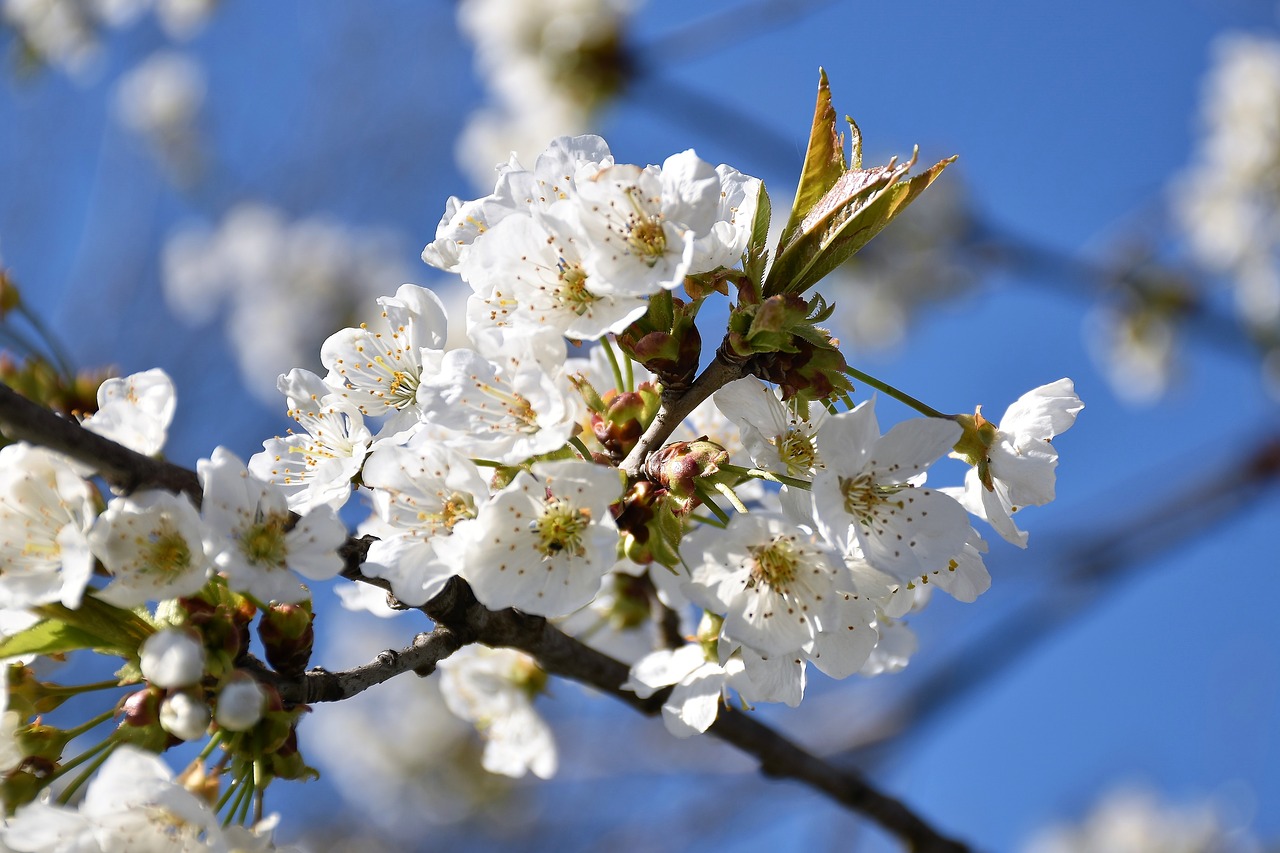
<point x="127" y="470"/>
<point x="676" y="407"/>
<point x="320" y="685"/>
<point x="559" y="654"/>
<point x="461" y="619"/>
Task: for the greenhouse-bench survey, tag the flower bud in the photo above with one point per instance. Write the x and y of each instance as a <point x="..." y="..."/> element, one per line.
<point x="172" y="658"/>
<point x="677" y="466"/>
<point x="649" y="526"/>
<point x="240" y="703"/>
<point x="141" y="708"/>
<point x="184" y="716"/>
<point x="141" y="723"/>
<point x="287" y="636"/>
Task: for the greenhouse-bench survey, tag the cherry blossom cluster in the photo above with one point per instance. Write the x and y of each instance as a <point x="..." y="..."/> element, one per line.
<point x="65" y="33"/>
<point x="549" y="65"/>
<point x="717" y="534"/>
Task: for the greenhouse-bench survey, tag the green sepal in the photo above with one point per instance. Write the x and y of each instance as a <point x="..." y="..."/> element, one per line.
<point x="975" y="444"/>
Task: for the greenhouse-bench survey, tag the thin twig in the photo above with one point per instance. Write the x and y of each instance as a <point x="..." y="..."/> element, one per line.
<point x="320" y="685"/>
<point x="676" y="407"/>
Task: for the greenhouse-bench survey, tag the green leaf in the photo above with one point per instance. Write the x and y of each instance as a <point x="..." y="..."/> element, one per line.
<point x="49" y="637"/>
<point x="95" y="624"/>
<point x="823" y="161"/>
<point x="853" y="211"/>
<point x="757" y="255"/>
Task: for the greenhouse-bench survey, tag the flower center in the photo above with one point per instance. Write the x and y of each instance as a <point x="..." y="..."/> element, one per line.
<point x="797" y="452"/>
<point x="572" y="292"/>
<point x="263" y="543"/>
<point x="775" y="563"/>
<point x="645" y="236"/>
<point x="863" y="496"/>
<point x="403" y="391"/>
<point x="560" y="528"/>
<point x="456" y="507"/>
<point x="169" y="553"/>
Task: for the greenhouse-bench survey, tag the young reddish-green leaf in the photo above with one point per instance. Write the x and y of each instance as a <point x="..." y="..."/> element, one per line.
<point x="823" y="161"/>
<point x="855" y="209"/>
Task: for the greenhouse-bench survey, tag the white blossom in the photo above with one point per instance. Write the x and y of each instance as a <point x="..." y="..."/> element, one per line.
<point x="640" y="226"/>
<point x="780" y="437"/>
<point x="378" y="367"/>
<point x="506" y="401"/>
<point x="135" y="411"/>
<point x="864" y="496"/>
<point x="1021" y="459"/>
<point x="544" y="542"/>
<point x="493" y="689"/>
<point x="426" y="497"/>
<point x="700" y="686"/>
<point x="154" y="545"/>
<point x="776" y="586"/>
<point x="519" y="191"/>
<point x="46" y="511"/>
<point x="314" y="467"/>
<point x="255" y="544"/>
<point x="529" y="269"/>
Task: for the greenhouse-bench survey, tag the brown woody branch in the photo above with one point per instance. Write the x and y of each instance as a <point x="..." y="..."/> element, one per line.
<point x="676" y="407"/>
<point x="127" y="470"/>
<point x="461" y="620"/>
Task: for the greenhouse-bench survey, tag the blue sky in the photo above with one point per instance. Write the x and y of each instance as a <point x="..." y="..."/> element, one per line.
<point x="1069" y="120"/>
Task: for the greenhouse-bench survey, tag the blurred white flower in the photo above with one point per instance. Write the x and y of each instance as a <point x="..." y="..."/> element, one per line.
<point x="550" y="65"/>
<point x="240" y="703"/>
<point x="1133" y="821"/>
<point x="66" y="33"/>
<point x="1228" y="199"/>
<point x="184" y="716"/>
<point x="263" y="267"/>
<point x="172" y="657"/>
<point x="494" y="689"/>
<point x="161" y="96"/>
